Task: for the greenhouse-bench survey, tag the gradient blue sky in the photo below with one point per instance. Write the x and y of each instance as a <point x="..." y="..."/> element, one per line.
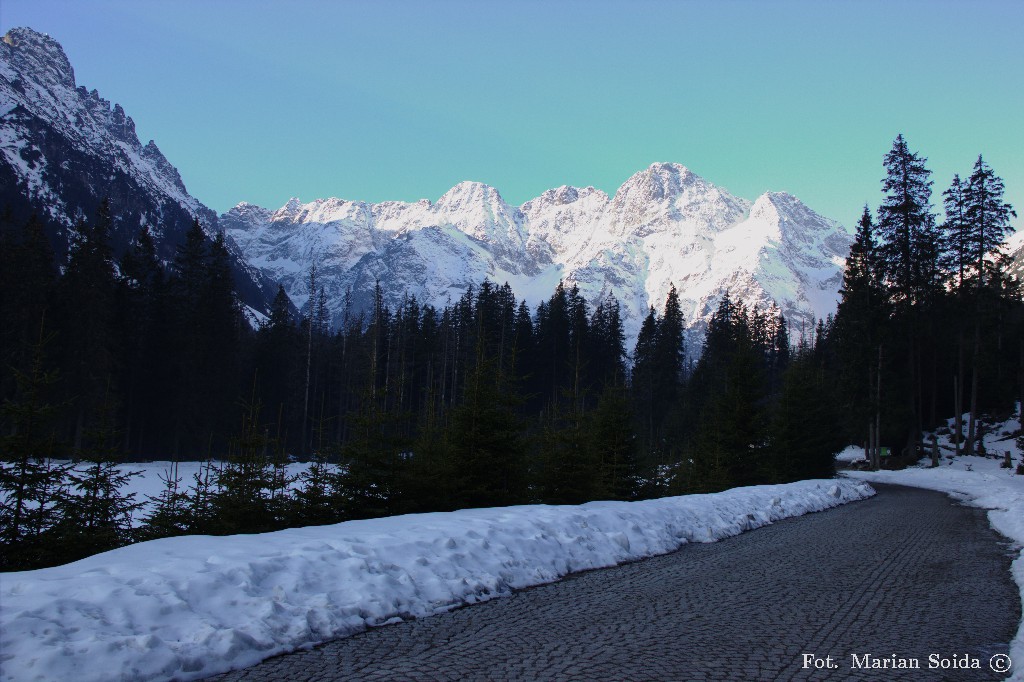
<point x="261" y="101"/>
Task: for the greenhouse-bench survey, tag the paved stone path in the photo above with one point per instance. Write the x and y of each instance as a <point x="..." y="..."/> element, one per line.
<point x="907" y="572"/>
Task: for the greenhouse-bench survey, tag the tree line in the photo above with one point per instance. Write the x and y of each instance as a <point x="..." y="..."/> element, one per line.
<point x="485" y="402"/>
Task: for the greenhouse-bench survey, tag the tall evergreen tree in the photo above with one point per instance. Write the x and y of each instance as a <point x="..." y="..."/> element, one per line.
<point x="860" y="326"/>
<point x="668" y="353"/>
<point x="804" y="433"/>
<point x="957" y="233"/>
<point x="910" y="257"/>
<point x="643" y="382"/>
<point x="27" y="280"/>
<point x="141" y="317"/>
<point x="988" y="220"/>
<point x="31" y="484"/>
<point x="911" y="241"/>
<point x="988" y="223"/>
<point x="96" y="515"/>
<point x="221" y="320"/>
<point x="86" y="313"/>
<point x="608" y="342"/>
<point x="486" y="440"/>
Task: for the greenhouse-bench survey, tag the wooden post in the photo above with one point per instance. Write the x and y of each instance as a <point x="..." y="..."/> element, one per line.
<point x="868" y="443"/>
<point x="958" y="420"/>
<point x="878" y="411"/>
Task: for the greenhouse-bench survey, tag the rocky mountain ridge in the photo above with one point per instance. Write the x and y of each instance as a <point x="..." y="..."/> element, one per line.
<point x="64" y="148"/>
<point x="665" y="225"/>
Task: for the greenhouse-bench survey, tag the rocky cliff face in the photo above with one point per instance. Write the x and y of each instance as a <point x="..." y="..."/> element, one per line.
<point x="64" y="148"/>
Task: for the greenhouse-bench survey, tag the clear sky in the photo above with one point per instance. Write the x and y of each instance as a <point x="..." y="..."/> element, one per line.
<point x="261" y="101"/>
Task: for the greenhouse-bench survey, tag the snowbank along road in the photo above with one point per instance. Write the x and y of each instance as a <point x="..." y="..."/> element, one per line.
<point x="907" y="577"/>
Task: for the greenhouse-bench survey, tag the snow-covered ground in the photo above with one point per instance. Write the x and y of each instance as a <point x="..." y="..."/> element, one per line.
<point x="853" y="453"/>
<point x="189" y="607"/>
<point x="980" y="482"/>
<point x="149" y="482"/>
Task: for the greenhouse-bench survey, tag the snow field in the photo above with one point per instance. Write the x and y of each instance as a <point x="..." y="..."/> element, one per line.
<point x="189" y="607"/>
<point x="150" y="481"/>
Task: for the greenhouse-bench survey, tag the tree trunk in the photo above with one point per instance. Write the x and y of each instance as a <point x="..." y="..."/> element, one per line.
<point x="959" y="401"/>
<point x="933" y="414"/>
<point x="913" y="427"/>
<point x="878" y="411"/>
<point x="872" y="447"/>
<point x="958" y="419"/>
<point x="972" y="423"/>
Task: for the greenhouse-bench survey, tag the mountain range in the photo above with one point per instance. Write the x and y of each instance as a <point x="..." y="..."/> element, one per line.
<point x="63" y="148"/>
<point x="664" y="226"/>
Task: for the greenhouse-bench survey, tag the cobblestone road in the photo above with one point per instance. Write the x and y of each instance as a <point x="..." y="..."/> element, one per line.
<point x="907" y="572"/>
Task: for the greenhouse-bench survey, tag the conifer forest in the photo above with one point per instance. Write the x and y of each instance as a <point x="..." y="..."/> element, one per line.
<point x="119" y="357"/>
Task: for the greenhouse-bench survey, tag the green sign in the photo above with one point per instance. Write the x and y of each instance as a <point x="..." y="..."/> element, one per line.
<point x="884" y="452"/>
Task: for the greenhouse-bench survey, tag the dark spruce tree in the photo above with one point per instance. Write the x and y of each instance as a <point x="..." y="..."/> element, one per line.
<point x="805" y="433"/>
<point x="86" y="314"/>
<point x="988" y="223"/>
<point x="96" y="515"/>
<point x="643" y="381"/>
<point x="732" y="432"/>
<point x="859" y="331"/>
<point x="910" y="260"/>
<point x="141" y="312"/>
<point x="28" y="276"/>
<point x="31" y="484"/>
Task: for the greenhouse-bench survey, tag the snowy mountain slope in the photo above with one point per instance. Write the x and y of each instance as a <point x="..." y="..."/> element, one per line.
<point x="64" y="148"/>
<point x="665" y="225"/>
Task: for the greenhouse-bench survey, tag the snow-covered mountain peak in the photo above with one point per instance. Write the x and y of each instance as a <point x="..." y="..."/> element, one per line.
<point x="659" y="182"/>
<point x="784" y="207"/>
<point x="479" y="211"/>
<point x="469" y="194"/>
<point x="764" y="208"/>
<point x="250" y="212"/>
<point x="800" y="227"/>
<point x="561" y="196"/>
<point x="668" y="196"/>
<point x="163" y="168"/>
<point x="42" y="54"/>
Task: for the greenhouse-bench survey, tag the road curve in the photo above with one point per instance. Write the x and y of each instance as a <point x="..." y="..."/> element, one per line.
<point x="904" y="575"/>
